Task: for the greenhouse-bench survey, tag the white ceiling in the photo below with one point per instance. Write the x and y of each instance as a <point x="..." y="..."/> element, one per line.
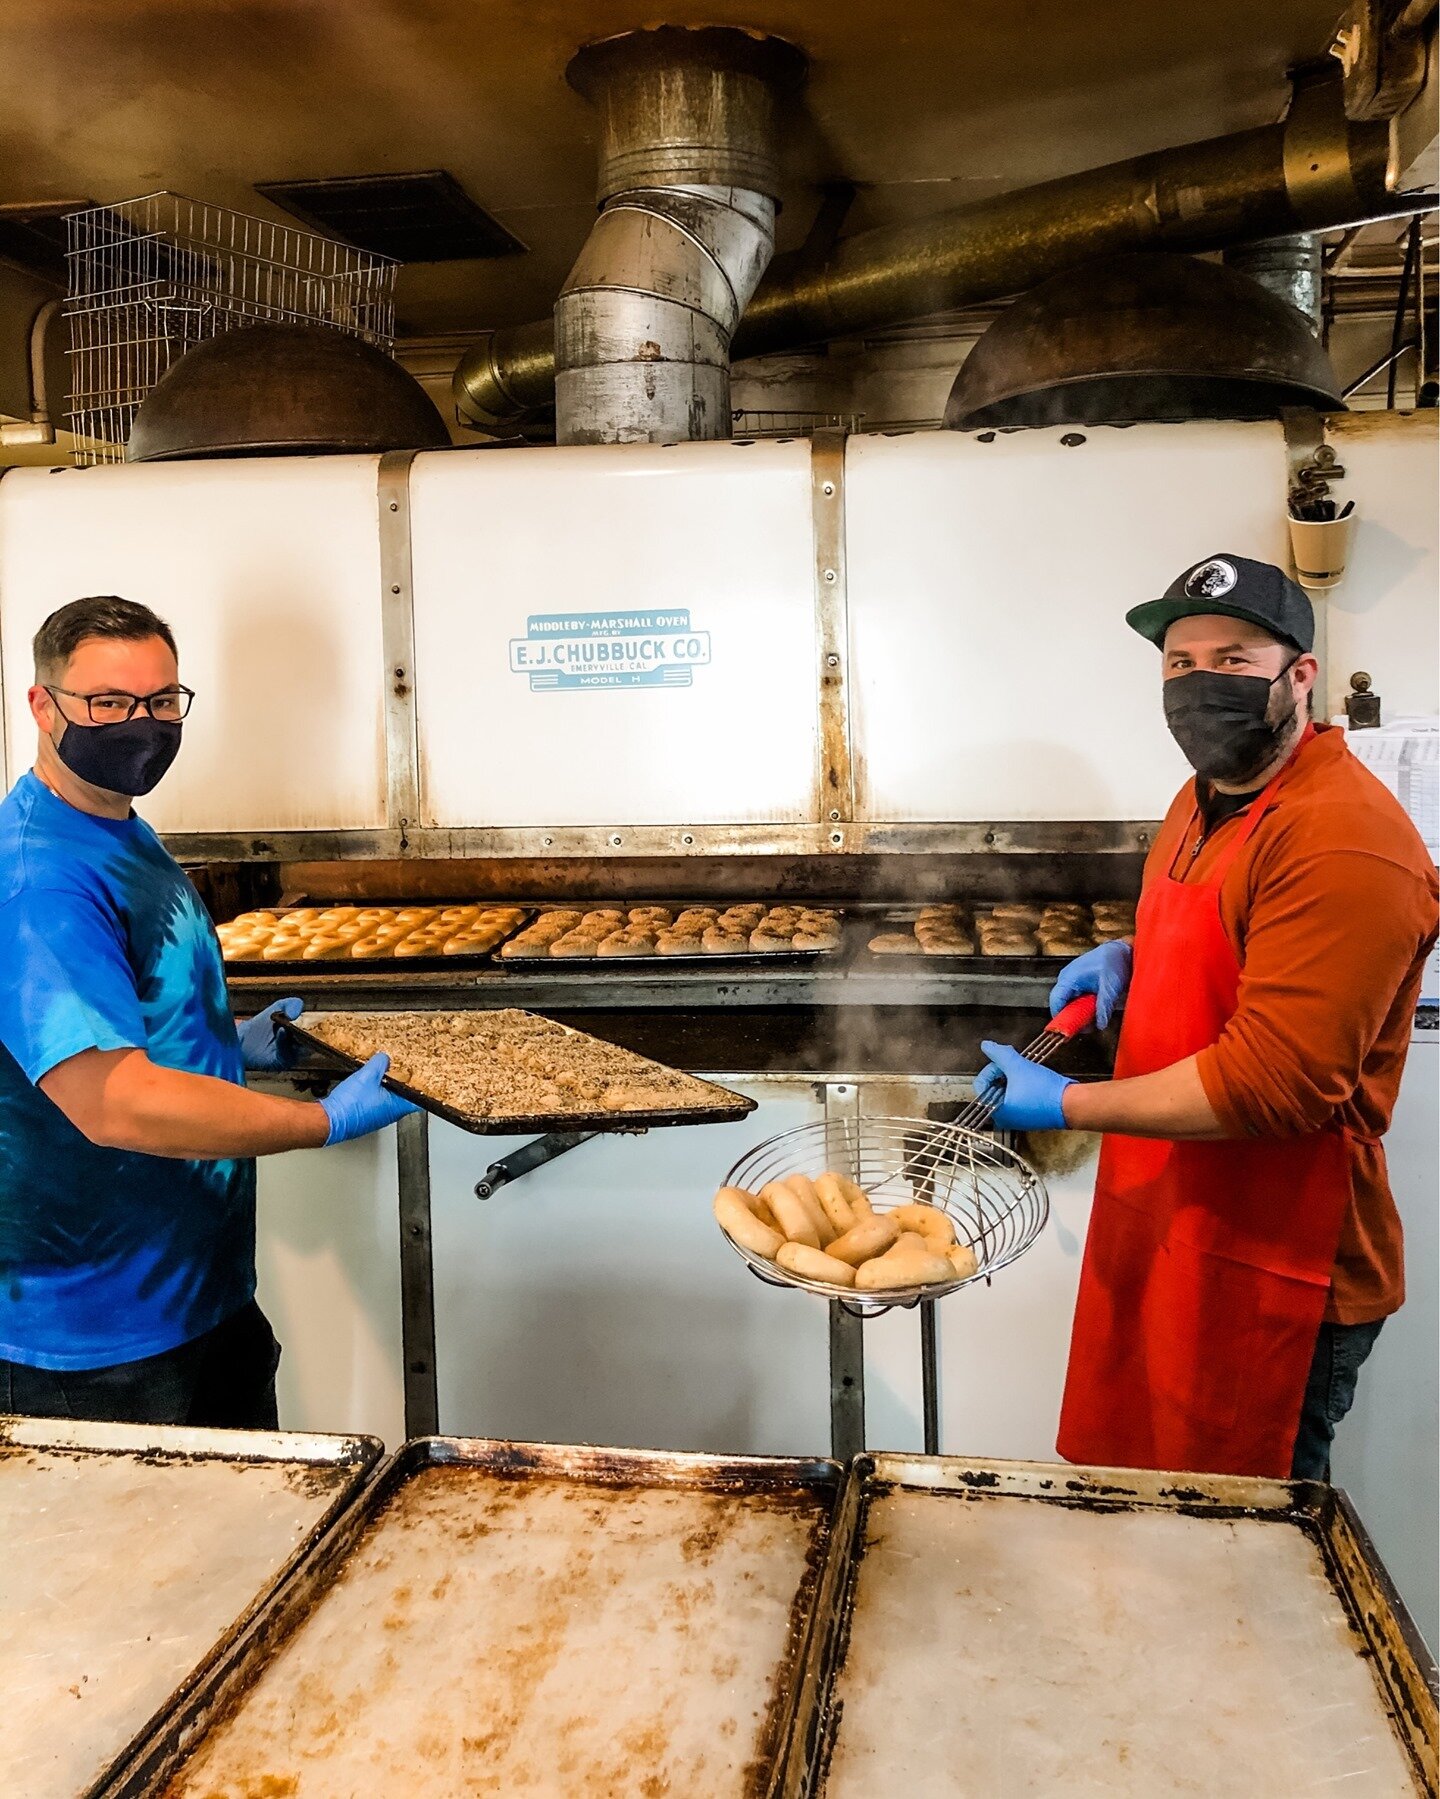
<point x="927" y="104"/>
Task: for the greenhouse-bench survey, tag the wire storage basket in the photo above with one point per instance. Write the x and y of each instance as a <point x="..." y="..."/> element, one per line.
<point x="151" y="278"/>
<point x="994" y="1198"/>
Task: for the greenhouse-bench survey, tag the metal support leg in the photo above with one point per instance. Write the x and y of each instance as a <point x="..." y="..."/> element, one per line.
<point x="847" y="1383"/>
<point x="847" y="1331"/>
<point x="930" y="1376"/>
<point x="417" y="1277"/>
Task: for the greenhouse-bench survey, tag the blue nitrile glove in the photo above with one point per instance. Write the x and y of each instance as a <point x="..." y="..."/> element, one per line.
<point x="1031" y="1094"/>
<point x="263" y="1046"/>
<point x="359" y="1104"/>
<point x="1103" y="971"/>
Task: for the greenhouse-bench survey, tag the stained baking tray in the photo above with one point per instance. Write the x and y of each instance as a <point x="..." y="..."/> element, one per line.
<point x="134" y="1557"/>
<point x="461" y="960"/>
<point x="511" y="1124"/>
<point x="495" y="1617"/>
<point x="1039" y="1631"/>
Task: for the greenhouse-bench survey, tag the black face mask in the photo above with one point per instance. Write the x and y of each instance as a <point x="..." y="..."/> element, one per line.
<point x="1222" y="722"/>
<point x="127" y="758"/>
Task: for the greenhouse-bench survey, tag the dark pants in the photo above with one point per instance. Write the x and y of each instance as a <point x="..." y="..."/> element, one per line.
<point x="1340" y="1350"/>
<point x="224" y="1380"/>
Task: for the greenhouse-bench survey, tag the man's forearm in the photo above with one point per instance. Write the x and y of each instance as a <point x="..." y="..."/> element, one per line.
<point x="122" y="1100"/>
<point x="1169" y="1103"/>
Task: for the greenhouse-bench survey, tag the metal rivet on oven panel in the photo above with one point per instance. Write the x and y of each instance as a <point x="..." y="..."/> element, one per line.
<point x="615" y="842"/>
<point x="837" y="837"/>
<point x="395" y="587"/>
<point x="545" y="842"/>
<point x="832" y="661"/>
<point x="834" y="818"/>
<point x="394" y="505"/>
<point x="687" y="839"/>
<point x="989" y="837"/>
<point x="829" y="574"/>
<point x="828" y="488"/>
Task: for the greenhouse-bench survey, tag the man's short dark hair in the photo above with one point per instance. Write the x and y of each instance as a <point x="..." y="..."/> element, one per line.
<point x="101" y="615"/>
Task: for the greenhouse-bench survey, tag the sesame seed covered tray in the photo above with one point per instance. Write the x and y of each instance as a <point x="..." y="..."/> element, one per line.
<point x="501" y="1072"/>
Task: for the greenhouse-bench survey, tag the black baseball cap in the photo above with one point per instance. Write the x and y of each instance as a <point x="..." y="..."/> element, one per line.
<point x="1236" y="587"/>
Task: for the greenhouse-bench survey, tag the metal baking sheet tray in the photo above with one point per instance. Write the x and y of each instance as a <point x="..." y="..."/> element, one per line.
<point x="1018" y="1629"/>
<point x="976" y="964"/>
<point x="504" y="1618"/>
<point x="729" y="1107"/>
<point x="747" y="959"/>
<point x="133" y="1555"/>
<point x="461" y="960"/>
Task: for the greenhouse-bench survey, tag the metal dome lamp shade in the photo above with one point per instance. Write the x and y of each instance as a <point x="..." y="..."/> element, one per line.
<point x="1142" y="337"/>
<point x="275" y="390"/>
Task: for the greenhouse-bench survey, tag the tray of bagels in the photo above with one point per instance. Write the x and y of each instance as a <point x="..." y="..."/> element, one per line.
<point x="1005" y="934"/>
<point x="750" y="931"/>
<point x="286" y="939"/>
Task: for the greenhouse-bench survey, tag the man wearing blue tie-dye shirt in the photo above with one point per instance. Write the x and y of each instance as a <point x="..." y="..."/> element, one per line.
<point x="127" y="1134"/>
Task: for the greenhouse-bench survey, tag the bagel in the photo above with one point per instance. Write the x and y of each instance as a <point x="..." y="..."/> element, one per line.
<point x="804" y="1187"/>
<point x="903" y="1266"/>
<point x="834" y="1204"/>
<point x="791" y="1213"/>
<point x="961" y="1258"/>
<point x="740" y="1224"/>
<point x="930" y="1222"/>
<point x="869" y="1238"/>
<point x="815" y="1265"/>
<point x="854" y="1195"/>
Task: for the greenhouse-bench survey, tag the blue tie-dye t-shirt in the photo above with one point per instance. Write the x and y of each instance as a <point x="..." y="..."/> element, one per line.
<point x="107" y="1255"/>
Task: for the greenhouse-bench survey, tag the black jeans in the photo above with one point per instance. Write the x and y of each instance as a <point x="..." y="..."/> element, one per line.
<point x="224" y="1380"/>
<point x="1340" y="1349"/>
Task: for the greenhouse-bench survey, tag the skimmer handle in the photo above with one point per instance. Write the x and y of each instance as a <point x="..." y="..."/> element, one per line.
<point x="1078" y="1016"/>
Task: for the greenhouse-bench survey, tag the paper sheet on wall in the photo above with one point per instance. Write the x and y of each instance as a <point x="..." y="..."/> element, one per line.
<point x="1405" y="756"/>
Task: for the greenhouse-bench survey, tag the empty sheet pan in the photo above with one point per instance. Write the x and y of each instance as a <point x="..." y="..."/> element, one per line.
<point x="496" y="1618"/>
<point x="1021" y="1630"/>
<point x="129" y="1556"/>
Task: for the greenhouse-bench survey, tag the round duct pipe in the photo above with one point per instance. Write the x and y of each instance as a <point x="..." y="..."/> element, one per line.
<point x="1291" y="268"/>
<point x="275" y="390"/>
<point x="1312" y="171"/>
<point x="1148" y="336"/>
<point x="688" y="180"/>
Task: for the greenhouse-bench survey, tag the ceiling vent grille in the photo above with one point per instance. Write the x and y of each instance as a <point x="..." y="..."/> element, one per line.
<point x="422" y="217"/>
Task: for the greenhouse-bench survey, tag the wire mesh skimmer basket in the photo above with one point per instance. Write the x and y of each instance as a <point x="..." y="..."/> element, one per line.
<point x="994" y="1198"/>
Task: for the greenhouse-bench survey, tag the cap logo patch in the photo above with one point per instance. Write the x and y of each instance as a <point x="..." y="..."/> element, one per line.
<point x="1211" y="579"/>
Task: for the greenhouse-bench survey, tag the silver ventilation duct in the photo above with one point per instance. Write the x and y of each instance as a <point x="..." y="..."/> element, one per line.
<point x="688" y="179"/>
<point x="1312" y="171"/>
<point x="1291" y="268"/>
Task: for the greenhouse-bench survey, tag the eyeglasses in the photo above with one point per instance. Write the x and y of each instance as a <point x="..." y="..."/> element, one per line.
<point x="169" y="705"/>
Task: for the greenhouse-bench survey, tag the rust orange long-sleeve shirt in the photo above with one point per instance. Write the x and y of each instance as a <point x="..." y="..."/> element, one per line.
<point x="1331" y="909"/>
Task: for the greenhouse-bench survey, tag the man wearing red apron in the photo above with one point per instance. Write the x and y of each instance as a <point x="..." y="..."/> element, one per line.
<point x="1244" y="1246"/>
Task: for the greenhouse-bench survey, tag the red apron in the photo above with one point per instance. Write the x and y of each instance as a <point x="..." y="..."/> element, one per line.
<point x="1207" y="1265"/>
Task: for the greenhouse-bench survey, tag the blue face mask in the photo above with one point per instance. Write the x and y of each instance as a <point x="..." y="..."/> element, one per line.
<point x="129" y="757"/>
